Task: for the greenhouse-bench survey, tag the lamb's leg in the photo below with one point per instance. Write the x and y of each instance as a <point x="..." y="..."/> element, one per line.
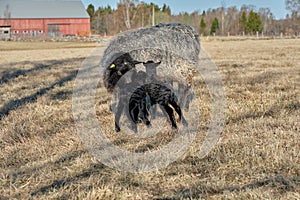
<point x="144" y="112"/>
<point x="120" y="108"/>
<point x="170" y="112"/>
<point x="188" y="100"/>
<point x="179" y="112"/>
<point x="134" y="114"/>
<point x="181" y="94"/>
<point x="153" y="111"/>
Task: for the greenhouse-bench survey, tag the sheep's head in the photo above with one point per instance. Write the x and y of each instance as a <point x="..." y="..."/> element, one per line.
<point x="117" y="69"/>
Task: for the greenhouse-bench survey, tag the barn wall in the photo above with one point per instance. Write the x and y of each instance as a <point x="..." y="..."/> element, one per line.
<point x="39" y="27"/>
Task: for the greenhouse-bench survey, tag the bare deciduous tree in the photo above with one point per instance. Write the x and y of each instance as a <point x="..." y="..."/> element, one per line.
<point x="267" y="18"/>
<point x="293" y="6"/>
<point x="129" y="8"/>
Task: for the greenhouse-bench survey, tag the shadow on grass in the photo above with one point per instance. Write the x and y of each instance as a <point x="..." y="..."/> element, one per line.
<point x="280" y="182"/>
<point x="271" y="112"/>
<point x="15" y="104"/>
<point x="8" y="75"/>
<point x="64" y="160"/>
<point x="62" y="95"/>
<point x="196" y="191"/>
<point x="94" y="169"/>
<point x="15" y="173"/>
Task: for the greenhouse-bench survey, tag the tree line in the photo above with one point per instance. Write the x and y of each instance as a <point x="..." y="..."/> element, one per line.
<point x="132" y="14"/>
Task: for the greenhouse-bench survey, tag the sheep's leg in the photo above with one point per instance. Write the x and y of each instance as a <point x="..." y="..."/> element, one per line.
<point x="132" y="124"/>
<point x="181" y="94"/>
<point x="133" y="111"/>
<point x="153" y="111"/>
<point x="118" y="116"/>
<point x="148" y="105"/>
<point x="144" y="112"/>
<point x="188" y="100"/>
<point x="179" y="112"/>
<point x="170" y="112"/>
<point x="133" y="114"/>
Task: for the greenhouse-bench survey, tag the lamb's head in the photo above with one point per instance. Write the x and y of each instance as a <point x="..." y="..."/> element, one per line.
<point x="140" y="77"/>
<point x="117" y="68"/>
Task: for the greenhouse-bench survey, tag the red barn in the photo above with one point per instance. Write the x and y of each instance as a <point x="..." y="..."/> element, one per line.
<point x="40" y="18"/>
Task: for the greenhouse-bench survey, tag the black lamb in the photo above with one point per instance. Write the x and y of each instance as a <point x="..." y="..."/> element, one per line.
<point x="138" y="109"/>
<point x="158" y="94"/>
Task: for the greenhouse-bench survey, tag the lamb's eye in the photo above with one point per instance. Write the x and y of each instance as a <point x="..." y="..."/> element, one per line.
<point x="125" y="63"/>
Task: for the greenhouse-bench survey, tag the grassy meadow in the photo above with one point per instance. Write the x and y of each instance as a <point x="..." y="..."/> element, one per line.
<point x="257" y="157"/>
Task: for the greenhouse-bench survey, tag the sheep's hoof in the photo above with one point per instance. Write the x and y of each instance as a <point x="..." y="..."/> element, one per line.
<point x="148" y="124"/>
<point x="134" y="128"/>
<point x="174" y="127"/>
<point x="184" y="122"/>
<point x="117" y="129"/>
<point x="139" y="120"/>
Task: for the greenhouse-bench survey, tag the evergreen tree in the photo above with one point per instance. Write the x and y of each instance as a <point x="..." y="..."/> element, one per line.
<point x="166" y="9"/>
<point x="91" y="10"/>
<point x="254" y="23"/>
<point x="215" y="26"/>
<point x="203" y="26"/>
<point x="243" y="21"/>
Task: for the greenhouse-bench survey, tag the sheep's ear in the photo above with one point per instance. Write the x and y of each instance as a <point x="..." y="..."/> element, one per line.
<point x="112" y="66"/>
<point x="157" y="64"/>
<point x="136" y="62"/>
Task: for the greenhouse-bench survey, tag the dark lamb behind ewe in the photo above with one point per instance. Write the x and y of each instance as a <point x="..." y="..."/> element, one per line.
<point x="125" y="90"/>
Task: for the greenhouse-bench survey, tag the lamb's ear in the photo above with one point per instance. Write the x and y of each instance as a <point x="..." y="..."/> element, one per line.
<point x="158" y="63"/>
<point x="135" y="62"/>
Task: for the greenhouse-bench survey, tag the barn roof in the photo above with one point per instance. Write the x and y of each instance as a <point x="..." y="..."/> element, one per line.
<point x="42" y="9"/>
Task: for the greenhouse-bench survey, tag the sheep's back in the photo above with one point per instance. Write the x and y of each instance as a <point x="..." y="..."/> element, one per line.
<point x="176" y="45"/>
<point x="163" y="42"/>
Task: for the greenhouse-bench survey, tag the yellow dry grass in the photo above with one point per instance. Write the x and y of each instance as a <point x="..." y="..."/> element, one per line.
<point x="41" y="156"/>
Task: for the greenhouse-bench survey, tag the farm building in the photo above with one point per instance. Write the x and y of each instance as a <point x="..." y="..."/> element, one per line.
<point x="43" y="18"/>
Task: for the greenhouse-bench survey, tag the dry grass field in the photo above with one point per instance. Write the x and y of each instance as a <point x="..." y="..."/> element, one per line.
<point x="257" y="157"/>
